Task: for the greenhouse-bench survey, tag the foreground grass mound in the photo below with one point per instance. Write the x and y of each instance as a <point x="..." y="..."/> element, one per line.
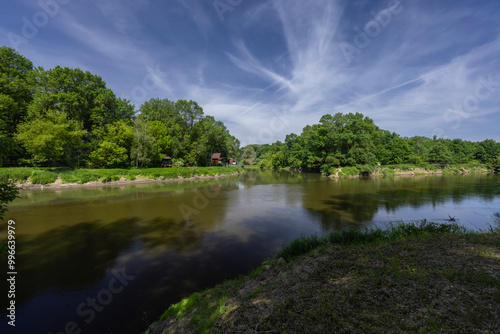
<point x="421" y="278"/>
<point x="66" y="175"/>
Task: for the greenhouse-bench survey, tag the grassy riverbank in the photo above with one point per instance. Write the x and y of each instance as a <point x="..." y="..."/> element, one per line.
<point x="47" y="176"/>
<point x="419" y="278"/>
<point x="407" y="169"/>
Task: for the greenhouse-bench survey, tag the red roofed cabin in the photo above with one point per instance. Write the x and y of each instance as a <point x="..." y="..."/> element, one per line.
<point x="216" y="159"/>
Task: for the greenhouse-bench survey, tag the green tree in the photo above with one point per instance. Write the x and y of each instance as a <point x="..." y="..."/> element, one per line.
<point x="249" y="155"/>
<point x="114" y="144"/>
<point x="15" y="89"/>
<point x="278" y="160"/>
<point x="160" y="132"/>
<point x="8" y="191"/>
<point x="162" y="110"/>
<point x="400" y="150"/>
<point x="109" y="155"/>
<point x="144" y="151"/>
<point x="440" y="153"/>
<point x="51" y="138"/>
<point x="487" y="151"/>
<point x="83" y="96"/>
<point x="190" y="113"/>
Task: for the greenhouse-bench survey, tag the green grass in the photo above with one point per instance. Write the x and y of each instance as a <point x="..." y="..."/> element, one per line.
<point x="67" y="175"/>
<point x="408" y="277"/>
<point x="306" y="244"/>
<point x="43" y="176"/>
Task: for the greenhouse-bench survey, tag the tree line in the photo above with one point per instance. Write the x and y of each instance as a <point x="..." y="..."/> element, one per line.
<point x="68" y="117"/>
<point x="353" y="139"/>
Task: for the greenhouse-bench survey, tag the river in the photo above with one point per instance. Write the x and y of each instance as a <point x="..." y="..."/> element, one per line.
<point x="112" y="259"/>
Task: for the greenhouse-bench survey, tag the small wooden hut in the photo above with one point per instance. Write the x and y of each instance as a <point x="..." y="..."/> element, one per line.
<point x="167" y="162"/>
<point x="216" y="158"/>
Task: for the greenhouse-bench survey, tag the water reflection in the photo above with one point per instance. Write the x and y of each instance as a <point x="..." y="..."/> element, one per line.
<point x="69" y="240"/>
<point x="357" y="202"/>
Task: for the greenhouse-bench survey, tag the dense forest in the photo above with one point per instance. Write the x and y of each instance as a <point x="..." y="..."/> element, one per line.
<point x="68" y="117"/>
<point x="352" y="140"/>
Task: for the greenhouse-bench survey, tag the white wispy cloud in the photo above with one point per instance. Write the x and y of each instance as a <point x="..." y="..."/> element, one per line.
<point x="280" y="59"/>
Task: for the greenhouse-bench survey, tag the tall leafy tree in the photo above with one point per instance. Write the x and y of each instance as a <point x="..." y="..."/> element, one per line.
<point x="160" y="132"/>
<point x="83" y="96"/>
<point x="51" y="138"/>
<point x="15" y="89"/>
<point x="115" y="145"/>
<point x="162" y="110"/>
<point x="190" y="113"/>
<point x="144" y="150"/>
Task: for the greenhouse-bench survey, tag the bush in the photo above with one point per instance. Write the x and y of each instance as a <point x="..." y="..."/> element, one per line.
<point x="8" y="193"/>
<point x="348" y="171"/>
<point x="365" y="168"/>
<point x="178" y="162"/>
<point x="388" y="172"/>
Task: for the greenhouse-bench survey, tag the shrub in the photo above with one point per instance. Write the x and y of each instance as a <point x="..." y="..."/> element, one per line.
<point x="178" y="162"/>
<point x="388" y="172"/>
<point x="348" y="171"/>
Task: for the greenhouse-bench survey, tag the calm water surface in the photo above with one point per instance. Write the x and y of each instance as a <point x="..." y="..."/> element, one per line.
<point x="166" y="241"/>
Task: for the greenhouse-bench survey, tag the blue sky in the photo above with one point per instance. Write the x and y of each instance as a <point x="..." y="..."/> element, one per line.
<point x="267" y="68"/>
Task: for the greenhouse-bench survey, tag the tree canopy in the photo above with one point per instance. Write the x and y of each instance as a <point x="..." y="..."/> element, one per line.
<point x="353" y="139"/>
<point x="69" y="117"/>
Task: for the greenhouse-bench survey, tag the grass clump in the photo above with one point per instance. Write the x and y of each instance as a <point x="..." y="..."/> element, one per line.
<point x="43" y="177"/>
<point x="352" y="236"/>
<point x="20" y="174"/>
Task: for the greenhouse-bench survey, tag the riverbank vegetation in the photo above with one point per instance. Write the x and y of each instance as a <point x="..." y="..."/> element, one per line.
<point x="68" y="117"/>
<point x="33" y="175"/>
<point x="353" y="140"/>
<point x="407" y="169"/>
<point x="408" y="278"/>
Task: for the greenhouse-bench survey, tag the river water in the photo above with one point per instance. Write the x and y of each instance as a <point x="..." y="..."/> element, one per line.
<point x="112" y="259"/>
